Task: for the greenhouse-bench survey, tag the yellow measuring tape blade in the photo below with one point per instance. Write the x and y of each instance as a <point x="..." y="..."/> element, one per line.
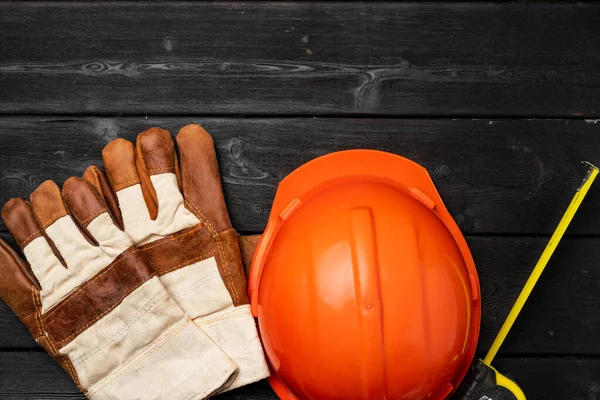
<point x="542" y="262"/>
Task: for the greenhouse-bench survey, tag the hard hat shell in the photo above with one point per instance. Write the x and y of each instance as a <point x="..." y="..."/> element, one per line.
<point x="363" y="285"/>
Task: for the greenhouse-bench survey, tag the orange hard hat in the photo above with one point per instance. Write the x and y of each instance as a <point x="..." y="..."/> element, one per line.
<point x="363" y="285"/>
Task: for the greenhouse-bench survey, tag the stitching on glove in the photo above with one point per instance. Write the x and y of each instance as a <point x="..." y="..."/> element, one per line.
<point x="127" y="184"/>
<point x="172" y="237"/>
<point x="144" y="309"/>
<point x="201" y="257"/>
<point x="194" y="286"/>
<point x="53" y="351"/>
<point x="100" y="316"/>
<point x="37" y="312"/>
<point x="88" y="282"/>
<point x="158" y="243"/>
<point x="85" y="222"/>
<point x="217" y="237"/>
<point x="91" y="218"/>
<point x="236" y="312"/>
<point x="30" y="239"/>
<point x="160" y="342"/>
<point x="54" y="217"/>
<point x="66" y="300"/>
<point x="163" y="169"/>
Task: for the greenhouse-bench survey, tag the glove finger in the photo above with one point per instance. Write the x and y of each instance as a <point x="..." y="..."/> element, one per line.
<point x="178" y="172"/>
<point x="21" y="222"/>
<point x="95" y="177"/>
<point x="155" y="159"/>
<point x="84" y="259"/>
<point x="17" y="283"/>
<point x="39" y="252"/>
<point x="90" y="211"/>
<point x="71" y="243"/>
<point x="119" y="161"/>
<point x="200" y="177"/>
<point x="121" y="171"/>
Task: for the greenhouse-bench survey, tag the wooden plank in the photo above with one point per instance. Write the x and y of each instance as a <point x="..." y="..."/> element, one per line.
<point x="496" y="176"/>
<point x="301" y="58"/>
<point x="555" y="378"/>
<point x="34" y="375"/>
<point x="561" y="317"/>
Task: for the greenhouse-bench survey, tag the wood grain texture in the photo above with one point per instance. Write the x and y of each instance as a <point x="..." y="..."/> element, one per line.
<point x="495" y="176"/>
<point x="561" y="317"/>
<point x="280" y="83"/>
<point x="34" y="376"/>
<point x="300" y="58"/>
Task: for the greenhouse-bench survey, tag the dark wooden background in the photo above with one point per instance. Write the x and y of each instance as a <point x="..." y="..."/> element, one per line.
<point x="499" y="101"/>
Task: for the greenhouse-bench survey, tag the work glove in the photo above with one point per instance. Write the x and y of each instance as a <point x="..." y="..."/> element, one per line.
<point x="90" y="299"/>
<point x="172" y="207"/>
<point x="248" y="245"/>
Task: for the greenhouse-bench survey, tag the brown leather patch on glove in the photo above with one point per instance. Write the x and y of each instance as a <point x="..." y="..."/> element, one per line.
<point x="198" y="181"/>
<point x="97" y="297"/>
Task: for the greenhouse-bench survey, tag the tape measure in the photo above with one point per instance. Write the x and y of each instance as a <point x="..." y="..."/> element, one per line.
<point x="484" y="382"/>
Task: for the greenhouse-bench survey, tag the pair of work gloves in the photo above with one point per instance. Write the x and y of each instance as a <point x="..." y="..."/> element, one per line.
<point x="133" y="281"/>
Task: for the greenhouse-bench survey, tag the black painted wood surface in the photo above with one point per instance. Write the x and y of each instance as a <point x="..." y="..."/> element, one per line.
<point x="535" y="374"/>
<point x="304" y="58"/>
<point x="496" y="176"/>
<point x="498" y="101"/>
